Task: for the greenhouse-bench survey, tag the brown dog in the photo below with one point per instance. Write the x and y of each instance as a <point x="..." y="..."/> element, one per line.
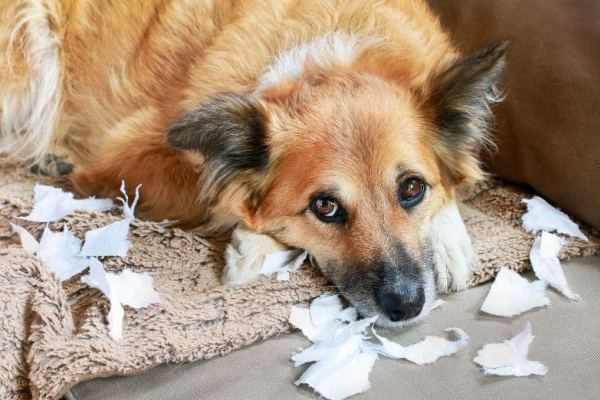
<point x="340" y="127"/>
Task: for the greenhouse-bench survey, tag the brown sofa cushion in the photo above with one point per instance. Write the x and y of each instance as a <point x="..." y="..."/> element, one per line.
<point x="549" y="126"/>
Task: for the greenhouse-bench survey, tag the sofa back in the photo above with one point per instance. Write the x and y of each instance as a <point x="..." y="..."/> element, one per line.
<point x="548" y="129"/>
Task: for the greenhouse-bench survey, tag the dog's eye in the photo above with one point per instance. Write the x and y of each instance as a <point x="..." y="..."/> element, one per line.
<point x="328" y="210"/>
<point x="411" y="192"/>
<point x="326" y="207"/>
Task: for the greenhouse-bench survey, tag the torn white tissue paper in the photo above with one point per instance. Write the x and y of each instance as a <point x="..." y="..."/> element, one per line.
<point x="325" y="309"/>
<point x="342" y="362"/>
<point x="282" y="263"/>
<point x="111" y="240"/>
<point x="510" y="357"/>
<point x="29" y="243"/>
<point x="300" y="318"/>
<point x="59" y="250"/>
<point x="342" y="373"/>
<point x="98" y="278"/>
<point x="128" y="210"/>
<point x="325" y="316"/>
<point x="511" y="294"/>
<point x="52" y="204"/>
<point x="126" y="289"/>
<point x="134" y="289"/>
<point x="427" y="351"/>
<point x="546" y="265"/>
<point x="342" y="355"/>
<point x="541" y="215"/>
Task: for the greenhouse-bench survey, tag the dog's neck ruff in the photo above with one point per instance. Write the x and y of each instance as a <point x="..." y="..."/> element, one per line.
<point x="323" y="52"/>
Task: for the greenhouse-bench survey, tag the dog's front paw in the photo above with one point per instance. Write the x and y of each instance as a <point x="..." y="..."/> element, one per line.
<point x="453" y="252"/>
<point x="52" y="165"/>
<point x="245" y="254"/>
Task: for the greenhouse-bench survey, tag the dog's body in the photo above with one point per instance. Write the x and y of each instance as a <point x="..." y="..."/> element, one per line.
<point x="340" y="127"/>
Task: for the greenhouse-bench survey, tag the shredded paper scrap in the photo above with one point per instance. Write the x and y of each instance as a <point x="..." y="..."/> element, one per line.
<point x="282" y="263"/>
<point x="63" y="253"/>
<point x="511" y="294"/>
<point x="509" y="358"/>
<point x="111" y="240"/>
<point x="546" y="265"/>
<point x="126" y="289"/>
<point x="52" y="204"/>
<point x="541" y="215"/>
<point x="343" y="356"/>
<point x="59" y="250"/>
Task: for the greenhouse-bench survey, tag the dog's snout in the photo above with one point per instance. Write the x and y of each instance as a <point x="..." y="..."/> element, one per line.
<point x="405" y="304"/>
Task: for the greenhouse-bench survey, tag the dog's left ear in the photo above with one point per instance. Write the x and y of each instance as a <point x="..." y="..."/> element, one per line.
<point x="458" y="101"/>
<point x="230" y="134"/>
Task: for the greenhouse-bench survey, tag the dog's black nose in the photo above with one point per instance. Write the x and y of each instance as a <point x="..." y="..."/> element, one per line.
<point x="405" y="304"/>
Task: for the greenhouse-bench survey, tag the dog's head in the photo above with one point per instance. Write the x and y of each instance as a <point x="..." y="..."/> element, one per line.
<point x="350" y="167"/>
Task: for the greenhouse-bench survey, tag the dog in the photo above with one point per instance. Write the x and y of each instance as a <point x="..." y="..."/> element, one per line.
<point x="344" y="128"/>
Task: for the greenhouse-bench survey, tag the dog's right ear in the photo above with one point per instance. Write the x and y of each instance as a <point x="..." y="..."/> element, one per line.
<point x="230" y="133"/>
<point x="458" y="102"/>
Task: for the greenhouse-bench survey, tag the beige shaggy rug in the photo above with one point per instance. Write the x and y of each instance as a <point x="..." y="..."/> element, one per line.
<point x="55" y="335"/>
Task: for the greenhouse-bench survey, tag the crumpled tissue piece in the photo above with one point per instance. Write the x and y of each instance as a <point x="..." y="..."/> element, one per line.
<point x="62" y="252"/>
<point x="343" y="372"/>
<point x="52" y="204"/>
<point x="546" y="265"/>
<point x="126" y="289"/>
<point x="29" y="243"/>
<point x="427" y="351"/>
<point x="282" y="263"/>
<point x="98" y="278"/>
<point x="134" y="289"/>
<point x="59" y="250"/>
<point x="326" y="309"/>
<point x="111" y="240"/>
<point x="324" y="317"/>
<point x="511" y="294"/>
<point x="509" y="358"/>
<point x="338" y="352"/>
<point x="541" y="215"/>
<point x="343" y="357"/>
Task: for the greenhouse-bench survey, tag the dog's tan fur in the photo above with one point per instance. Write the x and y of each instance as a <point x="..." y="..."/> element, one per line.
<point x="360" y="114"/>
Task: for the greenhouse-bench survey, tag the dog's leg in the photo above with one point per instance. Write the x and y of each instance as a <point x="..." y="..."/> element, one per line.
<point x="136" y="152"/>
<point x="453" y="252"/>
<point x="245" y="255"/>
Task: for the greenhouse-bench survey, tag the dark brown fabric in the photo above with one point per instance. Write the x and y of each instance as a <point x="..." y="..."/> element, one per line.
<point x="549" y="125"/>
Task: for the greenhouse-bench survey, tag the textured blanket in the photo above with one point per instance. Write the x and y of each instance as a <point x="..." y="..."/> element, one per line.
<point x="54" y="335"/>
